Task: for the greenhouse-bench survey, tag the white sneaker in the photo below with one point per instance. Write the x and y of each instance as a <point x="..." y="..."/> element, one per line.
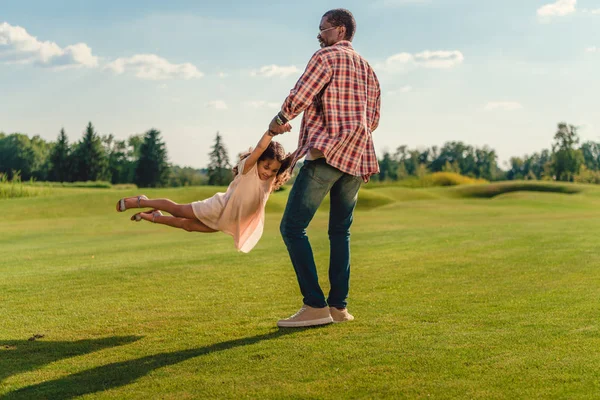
<point x="307" y="316"/>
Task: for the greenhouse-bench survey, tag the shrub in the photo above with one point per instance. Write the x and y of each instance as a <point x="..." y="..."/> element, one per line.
<point x="15" y="188"/>
<point x="440" y="179"/>
<point x="587" y="176"/>
<point x="496" y="189"/>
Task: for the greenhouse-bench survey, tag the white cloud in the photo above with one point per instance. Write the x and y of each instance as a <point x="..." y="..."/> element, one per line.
<point x="403" y="89"/>
<point x="401" y="62"/>
<point x="153" y="67"/>
<point x="592" y="49"/>
<point x="269" y="71"/>
<point x="439" y="59"/>
<point x="19" y="47"/>
<point x="588" y="11"/>
<point x="222" y="75"/>
<point x="404" y="62"/>
<point x="503" y="105"/>
<point x="263" y="104"/>
<point x="217" y="104"/>
<point x="558" y="9"/>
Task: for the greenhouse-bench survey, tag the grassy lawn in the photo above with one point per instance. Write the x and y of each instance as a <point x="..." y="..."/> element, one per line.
<point x="455" y="296"/>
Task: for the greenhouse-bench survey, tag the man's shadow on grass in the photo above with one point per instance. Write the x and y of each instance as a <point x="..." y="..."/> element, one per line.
<point x="123" y="373"/>
<point x="18" y="356"/>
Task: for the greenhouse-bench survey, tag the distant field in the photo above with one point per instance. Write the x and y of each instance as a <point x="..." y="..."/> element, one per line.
<point x="476" y="292"/>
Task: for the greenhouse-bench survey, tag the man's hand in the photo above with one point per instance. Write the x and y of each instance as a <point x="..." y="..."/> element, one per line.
<point x="279" y="129"/>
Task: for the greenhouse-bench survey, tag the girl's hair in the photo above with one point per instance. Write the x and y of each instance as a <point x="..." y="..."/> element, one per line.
<point x="274" y="151"/>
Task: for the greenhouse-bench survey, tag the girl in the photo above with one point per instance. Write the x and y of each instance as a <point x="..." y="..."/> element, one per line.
<point x="240" y="212"/>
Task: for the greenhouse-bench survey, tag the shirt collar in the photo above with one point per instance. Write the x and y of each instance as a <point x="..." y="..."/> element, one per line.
<point x="344" y="43"/>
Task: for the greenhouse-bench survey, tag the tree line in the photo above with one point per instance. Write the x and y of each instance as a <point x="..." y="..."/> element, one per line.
<point x="142" y="159"/>
<point x="565" y="161"/>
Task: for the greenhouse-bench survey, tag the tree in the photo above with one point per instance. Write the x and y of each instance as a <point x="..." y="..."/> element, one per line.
<point x="566" y="160"/>
<point x="89" y="157"/>
<point x="116" y="152"/>
<point x="23" y="156"/>
<point x="388" y="168"/>
<point x="539" y="165"/>
<point x="132" y="155"/>
<point x="60" y="159"/>
<point x="219" y="168"/>
<point x="451" y="167"/>
<point x="591" y="155"/>
<point x="516" y="170"/>
<point x="152" y="169"/>
<point x="187" y="176"/>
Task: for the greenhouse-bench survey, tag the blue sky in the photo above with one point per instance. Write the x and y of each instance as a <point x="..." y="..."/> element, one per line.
<point x="495" y="73"/>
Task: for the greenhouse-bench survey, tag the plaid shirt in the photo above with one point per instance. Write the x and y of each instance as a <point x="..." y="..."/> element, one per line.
<point x="340" y="96"/>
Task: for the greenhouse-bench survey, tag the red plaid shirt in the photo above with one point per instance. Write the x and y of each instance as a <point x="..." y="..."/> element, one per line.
<point x="340" y="96"/>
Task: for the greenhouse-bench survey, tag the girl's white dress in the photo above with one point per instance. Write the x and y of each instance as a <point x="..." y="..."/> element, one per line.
<point x="239" y="212"/>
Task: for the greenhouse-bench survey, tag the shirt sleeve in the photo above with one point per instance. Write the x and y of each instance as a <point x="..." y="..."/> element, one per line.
<point x="377" y="102"/>
<point x="312" y="81"/>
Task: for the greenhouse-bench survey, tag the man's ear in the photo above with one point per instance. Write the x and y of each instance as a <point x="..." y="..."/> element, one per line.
<point x="343" y="32"/>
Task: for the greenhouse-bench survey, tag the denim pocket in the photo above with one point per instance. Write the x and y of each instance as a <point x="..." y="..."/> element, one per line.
<point x="322" y="172"/>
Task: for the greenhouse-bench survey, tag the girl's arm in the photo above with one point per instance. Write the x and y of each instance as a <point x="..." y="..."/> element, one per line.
<point x="262" y="145"/>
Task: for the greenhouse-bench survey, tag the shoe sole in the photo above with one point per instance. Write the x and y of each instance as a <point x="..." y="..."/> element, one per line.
<point x="343" y="320"/>
<point x="303" y="324"/>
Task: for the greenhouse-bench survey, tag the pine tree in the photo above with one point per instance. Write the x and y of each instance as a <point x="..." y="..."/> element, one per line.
<point x="60" y="169"/>
<point x="219" y="169"/>
<point x="89" y="157"/>
<point x="152" y="169"/>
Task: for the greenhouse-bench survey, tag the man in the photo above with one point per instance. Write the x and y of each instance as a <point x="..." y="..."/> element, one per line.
<point x="340" y="97"/>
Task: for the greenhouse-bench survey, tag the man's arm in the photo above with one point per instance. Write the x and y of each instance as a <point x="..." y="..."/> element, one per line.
<point x="316" y="75"/>
<point x="377" y="102"/>
<point x="377" y="113"/>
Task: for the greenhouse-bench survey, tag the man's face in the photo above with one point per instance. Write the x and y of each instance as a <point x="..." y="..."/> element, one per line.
<point x="329" y="34"/>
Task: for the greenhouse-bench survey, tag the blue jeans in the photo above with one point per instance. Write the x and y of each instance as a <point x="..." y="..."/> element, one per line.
<point x="315" y="180"/>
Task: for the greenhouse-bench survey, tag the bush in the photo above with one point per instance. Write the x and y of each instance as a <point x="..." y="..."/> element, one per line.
<point x="440" y="179"/>
<point x="587" y="176"/>
<point x="15" y="188"/>
<point x="496" y="189"/>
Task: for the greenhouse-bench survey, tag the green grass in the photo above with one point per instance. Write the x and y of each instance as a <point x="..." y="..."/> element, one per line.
<point x="454" y="297"/>
<point x="86" y="184"/>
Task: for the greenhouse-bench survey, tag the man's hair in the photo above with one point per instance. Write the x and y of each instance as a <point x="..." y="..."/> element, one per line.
<point x="342" y="17"/>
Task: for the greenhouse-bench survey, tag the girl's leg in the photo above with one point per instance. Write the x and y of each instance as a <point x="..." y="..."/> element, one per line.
<point x="177" y="210"/>
<point x="188" y="224"/>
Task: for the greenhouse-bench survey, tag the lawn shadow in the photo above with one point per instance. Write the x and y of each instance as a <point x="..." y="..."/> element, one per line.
<point x="123" y="373"/>
<point x="17" y="356"/>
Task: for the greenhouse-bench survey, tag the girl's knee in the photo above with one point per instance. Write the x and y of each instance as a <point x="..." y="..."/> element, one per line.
<point x="189" y="225"/>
